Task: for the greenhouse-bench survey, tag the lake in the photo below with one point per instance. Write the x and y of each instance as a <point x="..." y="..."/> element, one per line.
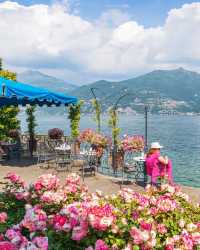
<point x="180" y="136"/>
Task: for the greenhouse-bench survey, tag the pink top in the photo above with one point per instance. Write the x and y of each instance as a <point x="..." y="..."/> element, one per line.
<point x="152" y="163"/>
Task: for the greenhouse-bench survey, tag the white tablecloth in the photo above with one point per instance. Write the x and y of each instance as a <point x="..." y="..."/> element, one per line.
<point x="88" y="153"/>
<point x="63" y="148"/>
<point x="139" y="158"/>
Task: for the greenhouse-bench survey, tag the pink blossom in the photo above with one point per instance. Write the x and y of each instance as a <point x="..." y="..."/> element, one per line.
<point x="15" y="179"/>
<point x="34" y="219"/>
<point x="169" y="247"/>
<point x="161" y="228"/>
<point x="89" y="248"/>
<point x="5" y="245"/>
<point x="145" y="226"/>
<point x="136" y="234"/>
<point x="79" y="232"/>
<point x="3" y="217"/>
<point x="101" y="245"/>
<point x="46" y="182"/>
<point x="41" y="242"/>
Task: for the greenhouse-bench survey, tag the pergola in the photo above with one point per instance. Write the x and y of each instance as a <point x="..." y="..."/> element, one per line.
<point x="17" y="93"/>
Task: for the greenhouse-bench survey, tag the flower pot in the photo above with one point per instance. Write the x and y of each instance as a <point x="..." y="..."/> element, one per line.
<point x="75" y="149"/>
<point x="116" y="159"/>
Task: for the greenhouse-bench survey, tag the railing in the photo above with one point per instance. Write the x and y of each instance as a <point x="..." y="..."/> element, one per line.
<point x="127" y="170"/>
<point x="42" y="138"/>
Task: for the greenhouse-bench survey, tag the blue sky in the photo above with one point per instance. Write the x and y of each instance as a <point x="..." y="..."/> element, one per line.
<point x="146" y="12"/>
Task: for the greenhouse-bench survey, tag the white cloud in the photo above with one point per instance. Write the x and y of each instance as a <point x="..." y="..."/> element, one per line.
<point x="54" y="37"/>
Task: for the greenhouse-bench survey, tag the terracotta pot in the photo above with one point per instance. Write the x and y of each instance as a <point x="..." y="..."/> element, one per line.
<point x="76" y="148"/>
<point x="118" y="162"/>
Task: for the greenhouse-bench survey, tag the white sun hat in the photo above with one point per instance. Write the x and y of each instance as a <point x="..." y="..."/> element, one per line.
<point x="156" y="145"/>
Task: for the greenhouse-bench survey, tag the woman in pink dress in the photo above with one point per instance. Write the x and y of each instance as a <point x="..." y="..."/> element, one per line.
<point x="157" y="165"/>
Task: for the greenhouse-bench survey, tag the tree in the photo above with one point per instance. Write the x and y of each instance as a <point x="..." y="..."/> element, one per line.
<point x="75" y="116"/>
<point x="8" y="115"/>
<point x="113" y="124"/>
<point x="97" y="107"/>
<point x="1" y="64"/>
<point x="30" y="110"/>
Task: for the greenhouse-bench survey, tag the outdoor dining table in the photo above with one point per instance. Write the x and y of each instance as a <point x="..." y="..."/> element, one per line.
<point x="63" y="148"/>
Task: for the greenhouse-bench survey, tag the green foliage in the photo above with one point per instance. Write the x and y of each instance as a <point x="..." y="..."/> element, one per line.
<point x="113" y="122"/>
<point x="9" y="204"/>
<point x="31" y="120"/>
<point x="97" y="107"/>
<point x="1" y="64"/>
<point x="8" y="115"/>
<point x="75" y="116"/>
<point x="31" y="128"/>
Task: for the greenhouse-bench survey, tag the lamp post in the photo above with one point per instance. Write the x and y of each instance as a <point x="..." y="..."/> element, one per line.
<point x="146" y="127"/>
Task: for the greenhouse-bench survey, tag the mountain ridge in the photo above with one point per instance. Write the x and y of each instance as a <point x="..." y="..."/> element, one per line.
<point x="40" y="79"/>
<point x="176" y="90"/>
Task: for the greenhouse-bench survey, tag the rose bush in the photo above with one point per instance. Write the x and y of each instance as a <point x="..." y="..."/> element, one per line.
<point x="133" y="143"/>
<point x="49" y="215"/>
<point x="55" y="133"/>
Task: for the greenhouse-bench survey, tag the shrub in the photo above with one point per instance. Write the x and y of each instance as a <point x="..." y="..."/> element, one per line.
<point x="49" y="215"/>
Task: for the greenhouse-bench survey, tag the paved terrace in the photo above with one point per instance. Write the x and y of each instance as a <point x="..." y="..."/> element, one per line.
<point x="107" y="185"/>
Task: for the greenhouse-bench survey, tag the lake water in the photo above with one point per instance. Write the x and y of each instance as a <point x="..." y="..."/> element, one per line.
<point x="180" y="136"/>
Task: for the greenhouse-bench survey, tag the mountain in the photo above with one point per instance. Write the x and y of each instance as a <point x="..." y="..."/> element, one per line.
<point x="37" y="78"/>
<point x="175" y="90"/>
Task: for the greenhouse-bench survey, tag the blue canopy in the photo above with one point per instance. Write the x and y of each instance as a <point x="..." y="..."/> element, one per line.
<point x="17" y="93"/>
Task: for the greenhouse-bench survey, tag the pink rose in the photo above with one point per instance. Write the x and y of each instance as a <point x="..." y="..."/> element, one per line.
<point x="101" y="245"/>
<point x="169" y="247"/>
<point x="161" y="228"/>
<point x="5" y="245"/>
<point x="145" y="226"/>
<point x="3" y="217"/>
<point x="41" y="242"/>
<point x="37" y="186"/>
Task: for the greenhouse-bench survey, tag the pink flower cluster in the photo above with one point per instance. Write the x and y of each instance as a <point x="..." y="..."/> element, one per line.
<point x="14" y="240"/>
<point x="3" y="217"/>
<point x="101" y="217"/>
<point x="156" y="219"/>
<point x="34" y="219"/>
<point x="46" y="182"/>
<point x="15" y="179"/>
<point x="92" y="137"/>
<point x="132" y="143"/>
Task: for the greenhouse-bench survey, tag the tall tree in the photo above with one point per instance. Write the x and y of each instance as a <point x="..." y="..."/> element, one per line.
<point x="75" y="116"/>
<point x="8" y="115"/>
<point x="1" y="64"/>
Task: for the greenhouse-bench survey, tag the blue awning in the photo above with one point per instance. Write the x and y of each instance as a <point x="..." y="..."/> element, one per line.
<point x="17" y="93"/>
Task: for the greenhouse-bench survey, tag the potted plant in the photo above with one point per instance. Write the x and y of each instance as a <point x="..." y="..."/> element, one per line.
<point x="116" y="154"/>
<point x="55" y="133"/>
<point x="31" y="128"/>
<point x="133" y="143"/>
<point x="74" y="117"/>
